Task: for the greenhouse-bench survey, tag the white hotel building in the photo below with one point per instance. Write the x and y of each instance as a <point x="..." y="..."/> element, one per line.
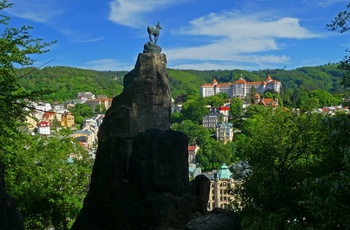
<point x="240" y="88"/>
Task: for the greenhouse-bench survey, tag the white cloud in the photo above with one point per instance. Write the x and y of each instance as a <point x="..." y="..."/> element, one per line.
<point x="239" y="38"/>
<point x="106" y="65"/>
<point x="130" y="12"/>
<point x="326" y="3"/>
<point x="91" y="40"/>
<point x="35" y="10"/>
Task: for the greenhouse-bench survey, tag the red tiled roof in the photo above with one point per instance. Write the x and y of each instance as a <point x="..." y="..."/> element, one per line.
<point x="43" y="124"/>
<point x="192" y="147"/>
<point x="224" y="108"/>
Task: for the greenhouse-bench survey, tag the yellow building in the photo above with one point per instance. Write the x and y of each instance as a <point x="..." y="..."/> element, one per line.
<point x="67" y="119"/>
<point x="219" y="196"/>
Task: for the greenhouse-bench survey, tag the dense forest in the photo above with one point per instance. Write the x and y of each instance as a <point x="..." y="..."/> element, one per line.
<point x="66" y="82"/>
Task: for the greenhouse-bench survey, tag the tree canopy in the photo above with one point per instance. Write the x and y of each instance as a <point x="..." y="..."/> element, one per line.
<point x="341" y="24"/>
<point x="46" y="176"/>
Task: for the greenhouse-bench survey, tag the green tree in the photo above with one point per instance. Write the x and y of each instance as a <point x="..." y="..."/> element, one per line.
<point x="215" y="101"/>
<point x="329" y="191"/>
<point x="341" y="24"/>
<point x="100" y="109"/>
<point x="236" y="109"/>
<point x="194" y="110"/>
<point x="16" y="47"/>
<point x="213" y="154"/>
<point x="325" y="98"/>
<point x="280" y="147"/>
<point x="48" y="177"/>
<point x="82" y="110"/>
<point x="196" y="134"/>
<point x="47" y="188"/>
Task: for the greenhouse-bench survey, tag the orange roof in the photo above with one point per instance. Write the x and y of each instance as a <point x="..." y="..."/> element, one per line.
<point x="268" y="101"/>
<point x="268" y="78"/>
<point x="192" y="147"/>
<point x="240" y="81"/>
<point x="223" y="84"/>
<point x="214" y="81"/>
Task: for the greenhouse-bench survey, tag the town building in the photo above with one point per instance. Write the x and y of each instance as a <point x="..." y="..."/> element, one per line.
<point x="42" y="106"/>
<point x="194" y="170"/>
<point x="84" y="136"/>
<point x="240" y="88"/>
<point x="102" y="102"/>
<point x="49" y="116"/>
<point x="84" y="96"/>
<point x="265" y="101"/>
<point x="211" y="120"/>
<point x="220" y="182"/>
<point x="192" y="152"/>
<point x="43" y="127"/>
<point x="67" y="119"/>
<point x="224" y="132"/>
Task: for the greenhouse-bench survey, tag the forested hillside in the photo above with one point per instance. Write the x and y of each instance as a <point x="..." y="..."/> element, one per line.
<point x="67" y="81"/>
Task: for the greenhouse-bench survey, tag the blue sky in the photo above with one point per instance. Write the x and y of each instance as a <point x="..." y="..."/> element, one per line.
<point x="197" y="34"/>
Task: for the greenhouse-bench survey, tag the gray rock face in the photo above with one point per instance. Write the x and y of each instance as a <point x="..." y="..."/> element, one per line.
<point x="10" y="218"/>
<point x="140" y="176"/>
<point x="218" y="219"/>
<point x="145" y="102"/>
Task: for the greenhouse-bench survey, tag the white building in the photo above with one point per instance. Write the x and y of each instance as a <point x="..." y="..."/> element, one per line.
<point x="42" y="106"/>
<point x="240" y="88"/>
<point x="43" y="128"/>
<point x="224" y="132"/>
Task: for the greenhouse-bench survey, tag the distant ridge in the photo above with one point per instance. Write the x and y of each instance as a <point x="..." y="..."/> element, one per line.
<point x="68" y="81"/>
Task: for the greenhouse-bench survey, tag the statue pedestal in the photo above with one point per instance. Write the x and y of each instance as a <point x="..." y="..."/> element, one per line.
<point x="151" y="47"/>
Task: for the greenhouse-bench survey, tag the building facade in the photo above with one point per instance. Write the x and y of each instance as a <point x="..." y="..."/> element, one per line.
<point x="67" y="119"/>
<point x="43" y="128"/>
<point x="240" y="88"/>
<point x="192" y="153"/>
<point x="224" y="132"/>
<point x="219" y="195"/>
<point x="211" y="120"/>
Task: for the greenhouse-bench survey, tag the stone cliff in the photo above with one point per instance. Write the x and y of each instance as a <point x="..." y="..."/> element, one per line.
<point x="140" y="176"/>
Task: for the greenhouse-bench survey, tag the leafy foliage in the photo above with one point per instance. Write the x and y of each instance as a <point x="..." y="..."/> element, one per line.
<point x="281" y="150"/>
<point x="48" y="177"/>
<point x="341" y="24"/>
<point x="47" y="188"/>
<point x="66" y="82"/>
<point x="16" y="47"/>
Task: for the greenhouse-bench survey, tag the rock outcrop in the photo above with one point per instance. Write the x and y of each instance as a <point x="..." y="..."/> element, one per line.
<point x="140" y="176"/>
<point x="10" y="218"/>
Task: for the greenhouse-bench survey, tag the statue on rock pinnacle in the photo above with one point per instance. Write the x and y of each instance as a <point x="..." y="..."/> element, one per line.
<point x="152" y="47"/>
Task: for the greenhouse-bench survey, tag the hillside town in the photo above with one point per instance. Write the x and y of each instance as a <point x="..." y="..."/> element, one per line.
<point x="46" y="118"/>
